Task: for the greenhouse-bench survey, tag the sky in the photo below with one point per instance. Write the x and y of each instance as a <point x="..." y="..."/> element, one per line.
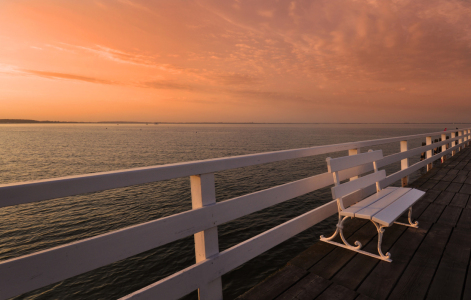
<point x="236" y="61"/>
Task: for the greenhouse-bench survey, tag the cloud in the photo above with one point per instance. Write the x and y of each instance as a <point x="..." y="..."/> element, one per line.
<point x="165" y="84"/>
<point x="55" y="75"/>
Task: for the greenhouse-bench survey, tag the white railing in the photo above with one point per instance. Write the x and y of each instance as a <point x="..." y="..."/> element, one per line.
<point x="29" y="272"/>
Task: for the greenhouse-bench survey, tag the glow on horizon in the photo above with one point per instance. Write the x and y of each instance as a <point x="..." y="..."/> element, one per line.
<point x="236" y="61"/>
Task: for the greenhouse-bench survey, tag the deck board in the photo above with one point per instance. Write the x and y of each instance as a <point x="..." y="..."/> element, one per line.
<point x="429" y="262"/>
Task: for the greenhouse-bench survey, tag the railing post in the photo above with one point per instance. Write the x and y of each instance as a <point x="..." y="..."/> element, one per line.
<point x="465" y="138"/>
<point x="453" y="144"/>
<point x="203" y="193"/>
<point x="354" y="152"/>
<point x="460" y="133"/>
<point x="443" y="146"/>
<point x="428" y="141"/>
<point x="404" y="163"/>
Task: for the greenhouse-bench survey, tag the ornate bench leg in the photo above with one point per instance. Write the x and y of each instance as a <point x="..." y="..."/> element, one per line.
<point x="415" y="224"/>
<point x="346" y="245"/>
<point x="339" y="230"/>
<point x="380" y="229"/>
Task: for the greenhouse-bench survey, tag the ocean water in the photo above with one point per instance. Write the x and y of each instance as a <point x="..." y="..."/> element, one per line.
<point x="42" y="151"/>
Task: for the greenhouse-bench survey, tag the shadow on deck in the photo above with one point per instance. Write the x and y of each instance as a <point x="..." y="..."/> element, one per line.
<point x="431" y="262"/>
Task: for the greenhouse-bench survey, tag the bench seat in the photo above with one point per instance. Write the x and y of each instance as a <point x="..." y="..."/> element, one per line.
<point x="384" y="207"/>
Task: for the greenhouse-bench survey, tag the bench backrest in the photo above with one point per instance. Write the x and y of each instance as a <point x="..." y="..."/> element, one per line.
<point x="335" y="165"/>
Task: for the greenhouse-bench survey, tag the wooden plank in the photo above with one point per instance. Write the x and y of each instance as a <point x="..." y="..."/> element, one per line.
<point x="337" y="292"/>
<point x="418" y="208"/>
<point x="336" y="259"/>
<point x="449" y="279"/>
<point x="441" y="186"/>
<point x="357" y="269"/>
<point x="454" y="187"/>
<point x="362" y="182"/>
<point x="275" y="284"/>
<point x="203" y="193"/>
<point x="346" y="162"/>
<point x="406" y="154"/>
<point x="375" y="207"/>
<point x="316" y="252"/>
<point x="449" y="177"/>
<point x="459" y="200"/>
<point x="466" y="189"/>
<point x="416" y="278"/>
<point x="465" y="219"/>
<point x="432" y="213"/>
<point x="390" y="213"/>
<point x="429" y="184"/>
<point x="384" y="276"/>
<point x="461" y="178"/>
<point x="364" y="203"/>
<point x="430" y="196"/>
<point x="444" y="198"/>
<point x="307" y="288"/>
<point x="189" y="279"/>
<point x="453" y="171"/>
<point x="438" y="176"/>
<point x="363" y="297"/>
<point x="450" y="216"/>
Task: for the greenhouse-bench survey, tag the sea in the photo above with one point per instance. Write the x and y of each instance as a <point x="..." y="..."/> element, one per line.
<point x="44" y="151"/>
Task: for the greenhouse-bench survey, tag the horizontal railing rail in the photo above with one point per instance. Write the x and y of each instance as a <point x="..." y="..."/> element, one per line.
<point x="29" y="272"/>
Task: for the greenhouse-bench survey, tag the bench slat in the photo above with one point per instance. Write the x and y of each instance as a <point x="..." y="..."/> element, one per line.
<point x="346" y="162"/>
<point x="374" y="208"/>
<point x="350" y="212"/>
<point x="357" y="184"/>
<point x="389" y="214"/>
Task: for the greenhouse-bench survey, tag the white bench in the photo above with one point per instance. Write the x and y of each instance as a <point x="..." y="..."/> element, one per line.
<point x="383" y="208"/>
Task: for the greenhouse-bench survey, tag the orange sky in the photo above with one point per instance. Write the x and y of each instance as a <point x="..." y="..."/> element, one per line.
<point x="236" y="61"/>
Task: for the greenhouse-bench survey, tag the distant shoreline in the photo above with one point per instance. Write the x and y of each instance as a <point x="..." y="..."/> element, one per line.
<point x="26" y="121"/>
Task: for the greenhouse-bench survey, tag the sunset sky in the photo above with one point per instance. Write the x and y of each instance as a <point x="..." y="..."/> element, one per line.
<point x="236" y="61"/>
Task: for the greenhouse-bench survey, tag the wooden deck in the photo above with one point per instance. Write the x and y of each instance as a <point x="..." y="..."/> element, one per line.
<point x="431" y="262"/>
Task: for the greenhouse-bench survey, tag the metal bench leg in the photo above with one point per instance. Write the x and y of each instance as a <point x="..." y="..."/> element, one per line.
<point x="415" y="224"/>
<point x="339" y="230"/>
<point x="380" y="229"/>
<point x="346" y="245"/>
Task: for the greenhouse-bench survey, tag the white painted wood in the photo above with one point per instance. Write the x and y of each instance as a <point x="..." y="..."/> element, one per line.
<point x="398" y="175"/>
<point x="428" y="141"/>
<point x="32" y="191"/>
<point x="68" y="260"/>
<point x="203" y="193"/>
<point x="391" y="213"/>
<point x="390" y="159"/>
<point x="362" y="182"/>
<point x="350" y="212"/>
<point x="443" y="137"/>
<point x="375" y="207"/>
<point x="453" y="134"/>
<point x="189" y="279"/>
<point x="359" y="195"/>
<point x="460" y="133"/>
<point x="404" y="163"/>
<point x="353" y="152"/>
<point x="346" y="162"/>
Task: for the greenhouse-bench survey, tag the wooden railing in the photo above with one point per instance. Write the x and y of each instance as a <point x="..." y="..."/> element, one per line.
<point x="29" y="272"/>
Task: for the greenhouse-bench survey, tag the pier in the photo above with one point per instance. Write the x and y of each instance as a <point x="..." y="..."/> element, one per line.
<point x="431" y="261"/>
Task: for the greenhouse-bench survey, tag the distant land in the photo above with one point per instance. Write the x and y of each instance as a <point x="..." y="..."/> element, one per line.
<point x="27" y="121"/>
